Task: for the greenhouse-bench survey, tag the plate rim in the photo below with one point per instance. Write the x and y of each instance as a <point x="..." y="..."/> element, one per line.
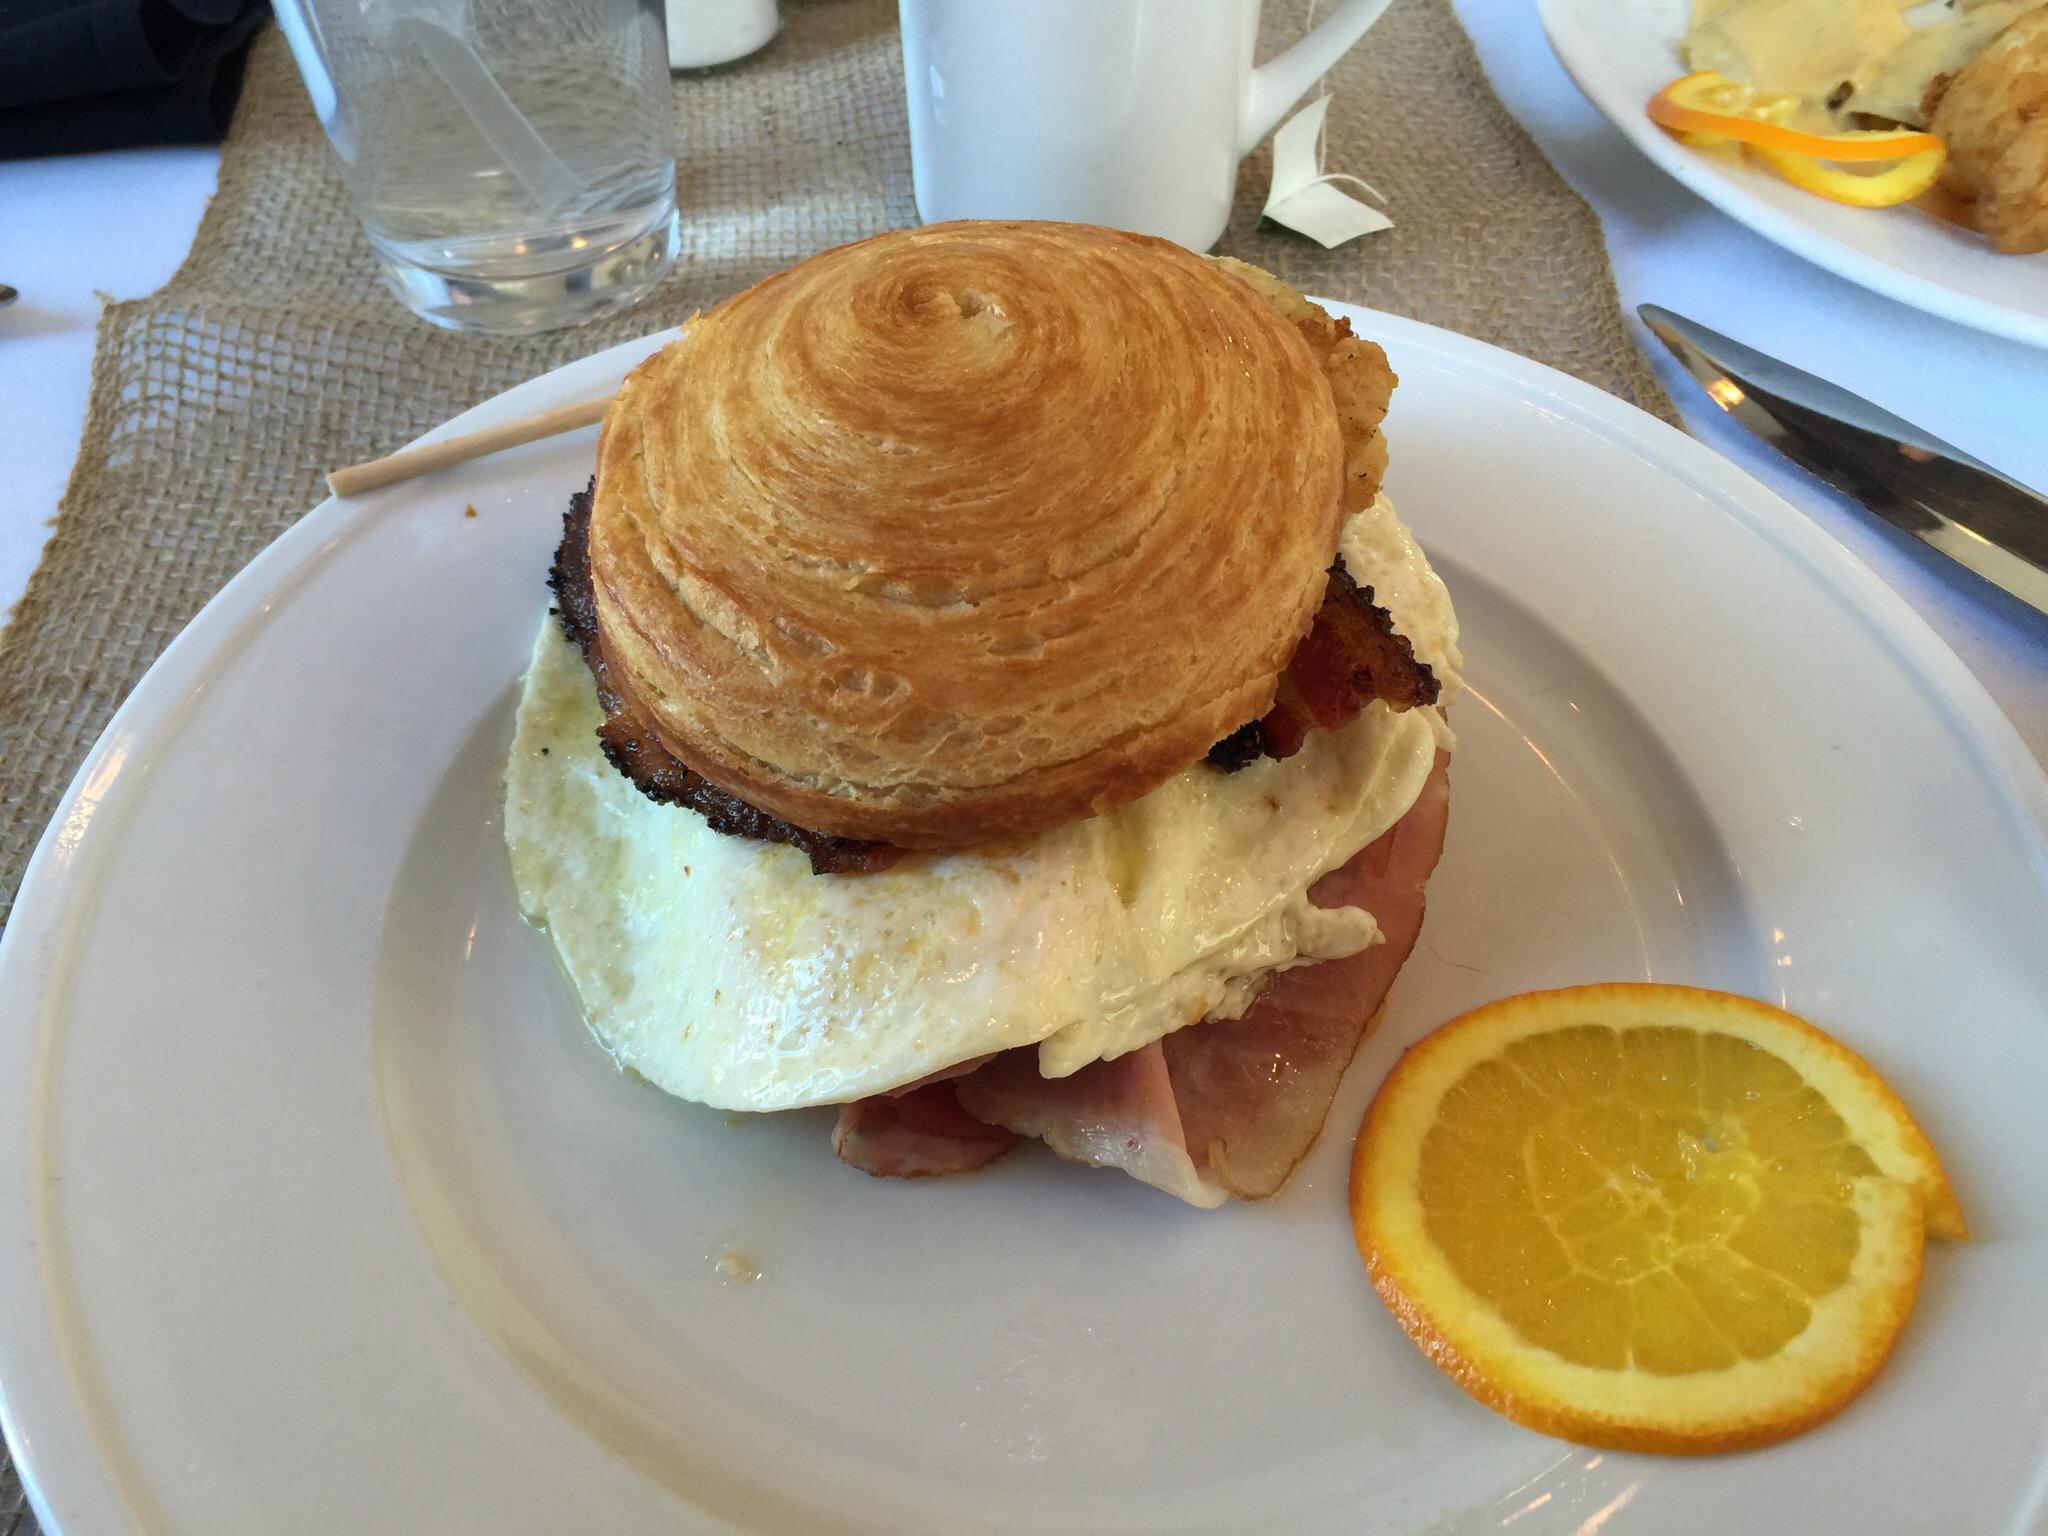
<point x="56" y="878"/>
<point x="1730" y="197"/>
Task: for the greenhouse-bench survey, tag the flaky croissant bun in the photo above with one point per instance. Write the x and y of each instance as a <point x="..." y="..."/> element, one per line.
<point x="962" y="532"/>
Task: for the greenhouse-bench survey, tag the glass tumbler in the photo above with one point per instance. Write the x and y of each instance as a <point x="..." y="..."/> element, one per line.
<point x="512" y="160"/>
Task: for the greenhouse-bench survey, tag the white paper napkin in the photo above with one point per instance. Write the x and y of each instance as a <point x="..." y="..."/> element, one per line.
<point x="1304" y="195"/>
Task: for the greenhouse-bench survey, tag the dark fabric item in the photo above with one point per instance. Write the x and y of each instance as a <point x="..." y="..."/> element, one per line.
<point x="84" y="75"/>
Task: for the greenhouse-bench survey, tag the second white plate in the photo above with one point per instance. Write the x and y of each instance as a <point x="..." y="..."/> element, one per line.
<point x="1622" y="52"/>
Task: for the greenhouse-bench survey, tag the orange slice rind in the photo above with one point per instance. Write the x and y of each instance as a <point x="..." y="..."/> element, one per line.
<point x="1647" y="1217"/>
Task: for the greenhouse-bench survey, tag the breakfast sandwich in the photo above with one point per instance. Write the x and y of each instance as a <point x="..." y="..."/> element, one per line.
<point x="986" y="691"/>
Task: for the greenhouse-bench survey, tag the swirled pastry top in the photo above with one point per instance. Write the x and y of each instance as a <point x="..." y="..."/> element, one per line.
<point x="962" y="532"/>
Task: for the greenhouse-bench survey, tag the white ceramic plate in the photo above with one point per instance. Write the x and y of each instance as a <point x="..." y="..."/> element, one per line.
<point x="320" y="1213"/>
<point x="1622" y="52"/>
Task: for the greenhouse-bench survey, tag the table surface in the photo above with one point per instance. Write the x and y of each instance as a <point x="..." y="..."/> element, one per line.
<point x="118" y="225"/>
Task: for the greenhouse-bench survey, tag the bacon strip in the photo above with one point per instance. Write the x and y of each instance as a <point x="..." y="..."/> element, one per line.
<point x="1351" y="656"/>
<point x="631" y="746"/>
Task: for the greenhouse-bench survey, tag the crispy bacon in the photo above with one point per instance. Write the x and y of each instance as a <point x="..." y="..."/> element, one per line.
<point x="1351" y="656"/>
<point x="630" y="743"/>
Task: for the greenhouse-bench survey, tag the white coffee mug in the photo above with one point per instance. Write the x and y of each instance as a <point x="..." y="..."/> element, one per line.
<point x="1132" y="113"/>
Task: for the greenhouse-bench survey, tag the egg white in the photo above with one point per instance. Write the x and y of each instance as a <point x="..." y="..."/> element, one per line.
<point x="725" y="972"/>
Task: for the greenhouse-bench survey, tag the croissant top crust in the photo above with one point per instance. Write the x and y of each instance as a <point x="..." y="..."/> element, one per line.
<point x="961" y="532"/>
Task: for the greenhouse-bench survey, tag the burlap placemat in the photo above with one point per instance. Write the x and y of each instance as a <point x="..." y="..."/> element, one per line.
<point x="274" y="354"/>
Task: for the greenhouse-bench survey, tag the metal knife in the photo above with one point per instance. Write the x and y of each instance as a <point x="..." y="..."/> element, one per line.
<point x="1981" y="519"/>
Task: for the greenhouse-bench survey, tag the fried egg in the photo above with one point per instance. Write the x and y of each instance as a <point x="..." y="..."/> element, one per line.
<point x="725" y="972"/>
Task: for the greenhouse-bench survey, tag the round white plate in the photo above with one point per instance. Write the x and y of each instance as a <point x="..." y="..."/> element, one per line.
<point x="1622" y="52"/>
<point x="320" y="1213"/>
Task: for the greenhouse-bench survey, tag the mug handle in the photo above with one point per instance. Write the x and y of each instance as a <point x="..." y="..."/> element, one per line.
<point x="1281" y="82"/>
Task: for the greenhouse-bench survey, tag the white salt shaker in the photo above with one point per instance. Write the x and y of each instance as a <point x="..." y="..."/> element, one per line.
<point x="706" y="32"/>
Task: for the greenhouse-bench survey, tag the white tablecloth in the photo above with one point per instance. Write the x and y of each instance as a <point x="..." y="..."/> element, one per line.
<point x="118" y="224"/>
<point x="72" y="230"/>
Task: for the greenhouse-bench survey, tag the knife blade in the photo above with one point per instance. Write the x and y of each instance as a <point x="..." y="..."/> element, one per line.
<point x="1985" y="521"/>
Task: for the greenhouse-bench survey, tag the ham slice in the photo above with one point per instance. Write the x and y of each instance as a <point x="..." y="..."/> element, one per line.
<point x="1114" y="1114"/>
<point x="1253" y="1092"/>
<point x="1224" y="1107"/>
<point x="913" y="1133"/>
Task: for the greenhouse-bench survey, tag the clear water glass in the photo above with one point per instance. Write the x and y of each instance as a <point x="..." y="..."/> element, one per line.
<point x="512" y="160"/>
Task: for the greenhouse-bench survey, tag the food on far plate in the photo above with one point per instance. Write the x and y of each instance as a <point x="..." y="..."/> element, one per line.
<point x="1649" y="1217"/>
<point x="989" y="693"/>
<point x="1846" y="62"/>
<point x="1993" y="113"/>
<point x="1824" y="91"/>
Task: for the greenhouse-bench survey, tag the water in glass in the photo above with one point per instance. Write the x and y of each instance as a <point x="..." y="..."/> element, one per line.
<point x="512" y="160"/>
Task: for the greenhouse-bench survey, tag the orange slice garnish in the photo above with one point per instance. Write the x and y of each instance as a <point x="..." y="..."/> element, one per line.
<point x="1648" y="1217"/>
<point x="1706" y="109"/>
